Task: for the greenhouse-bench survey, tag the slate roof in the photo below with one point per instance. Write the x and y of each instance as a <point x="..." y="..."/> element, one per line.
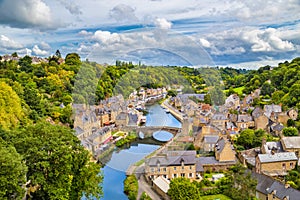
<point x="277" y="157"/>
<point x="267" y="185"/>
<point x="220" y="145"/>
<point x="244" y="118"/>
<point x="78" y="130"/>
<point x="257" y="112"/>
<point x="174" y="159"/>
<point x="209" y="161"/>
<point x="272" y="108"/>
<point x="211" y="139"/>
<point x="219" y="116"/>
<point x="277" y="127"/>
<point x="291" y="142"/>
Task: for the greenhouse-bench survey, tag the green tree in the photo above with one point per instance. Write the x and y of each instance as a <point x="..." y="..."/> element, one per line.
<point x="291" y="122"/>
<point x="131" y="187"/>
<point x="239" y="183"/>
<point x="290" y="131"/>
<point x="12" y="172"/>
<point x="267" y="89"/>
<point x="72" y="59"/>
<point x="172" y="93"/>
<point x="11" y="113"/>
<point x="145" y="196"/>
<point x="246" y="138"/>
<point x="183" y="189"/>
<point x="58" y="166"/>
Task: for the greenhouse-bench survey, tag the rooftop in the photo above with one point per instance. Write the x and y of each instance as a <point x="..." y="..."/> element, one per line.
<point x="291" y="142"/>
<point x="277" y="157"/>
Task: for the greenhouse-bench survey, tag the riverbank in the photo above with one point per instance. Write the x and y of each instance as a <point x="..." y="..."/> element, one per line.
<point x="173" y="111"/>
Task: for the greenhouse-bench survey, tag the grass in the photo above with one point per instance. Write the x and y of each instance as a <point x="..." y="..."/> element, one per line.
<point x="238" y="90"/>
<point x="215" y="197"/>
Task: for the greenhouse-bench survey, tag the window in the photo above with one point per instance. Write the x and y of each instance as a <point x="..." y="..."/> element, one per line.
<point x="283" y="165"/>
<point x="165" y="176"/>
<point x="175" y="175"/>
<point x="182" y="174"/>
<point x="165" y="169"/>
<point x="190" y="175"/>
<point x="291" y="165"/>
<point x="158" y="169"/>
<point x="174" y="168"/>
<point x="190" y="167"/>
<point x="152" y="169"/>
<point x="182" y="167"/>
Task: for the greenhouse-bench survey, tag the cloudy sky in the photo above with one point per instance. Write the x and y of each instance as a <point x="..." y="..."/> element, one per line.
<point x="234" y="33"/>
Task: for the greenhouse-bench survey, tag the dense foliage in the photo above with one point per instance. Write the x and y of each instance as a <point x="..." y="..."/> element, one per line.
<point x="131" y="187"/>
<point x="58" y="166"/>
<point x="183" y="189"/>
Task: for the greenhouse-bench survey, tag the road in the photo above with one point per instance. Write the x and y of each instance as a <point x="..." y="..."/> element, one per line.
<point x="145" y="187"/>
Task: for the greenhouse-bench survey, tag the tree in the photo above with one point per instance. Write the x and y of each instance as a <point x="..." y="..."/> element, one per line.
<point x="131" y="187"/>
<point x="239" y="184"/>
<point x="15" y="54"/>
<point x="12" y="172"/>
<point x="290" y="131"/>
<point x="172" y="93"/>
<point x="11" y="113"/>
<point x="291" y="122"/>
<point x="58" y="54"/>
<point x="145" y="196"/>
<point x="183" y="189"/>
<point x="58" y="166"/>
<point x="72" y="59"/>
<point x="246" y="138"/>
<point x="267" y="89"/>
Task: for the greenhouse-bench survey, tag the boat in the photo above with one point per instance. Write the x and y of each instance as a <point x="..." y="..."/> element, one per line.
<point x="167" y="111"/>
<point x="143" y="119"/>
<point x="141" y="135"/>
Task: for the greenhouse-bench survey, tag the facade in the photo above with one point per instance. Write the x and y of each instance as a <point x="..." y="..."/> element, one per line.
<point x="219" y="120"/>
<point x="275" y="164"/>
<point x="171" y="165"/>
<point x="244" y="122"/>
<point x="268" y="188"/>
<point x="224" y="151"/>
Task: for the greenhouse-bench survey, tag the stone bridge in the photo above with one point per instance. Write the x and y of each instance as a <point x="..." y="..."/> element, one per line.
<point x="149" y="130"/>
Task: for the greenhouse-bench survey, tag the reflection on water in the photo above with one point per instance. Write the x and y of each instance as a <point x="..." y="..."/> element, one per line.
<point x="115" y="170"/>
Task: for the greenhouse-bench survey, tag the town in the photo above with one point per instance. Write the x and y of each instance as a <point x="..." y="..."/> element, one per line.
<point x="213" y="131"/>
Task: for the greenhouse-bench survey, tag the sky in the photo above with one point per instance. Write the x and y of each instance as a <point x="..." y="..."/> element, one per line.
<point x="234" y="33"/>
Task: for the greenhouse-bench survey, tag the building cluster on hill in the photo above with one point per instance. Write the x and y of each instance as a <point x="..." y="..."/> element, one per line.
<point x="212" y="129"/>
<point x="94" y="124"/>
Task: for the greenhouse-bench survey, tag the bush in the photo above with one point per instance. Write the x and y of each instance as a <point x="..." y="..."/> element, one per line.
<point x="145" y="196"/>
<point x="131" y="187"/>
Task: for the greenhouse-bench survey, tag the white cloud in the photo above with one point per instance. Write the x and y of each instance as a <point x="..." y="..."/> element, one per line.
<point x="8" y="43"/>
<point x="25" y="14"/>
<point x="23" y="52"/>
<point x="204" y="43"/>
<point x="123" y="13"/>
<point x="106" y="37"/>
<point x="39" y="52"/>
<point x="45" y="46"/>
<point x="85" y="33"/>
<point x="162" y="23"/>
<point x="71" y="6"/>
<point x="267" y="40"/>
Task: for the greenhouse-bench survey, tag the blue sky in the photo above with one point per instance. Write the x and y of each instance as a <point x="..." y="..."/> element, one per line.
<point x="236" y="33"/>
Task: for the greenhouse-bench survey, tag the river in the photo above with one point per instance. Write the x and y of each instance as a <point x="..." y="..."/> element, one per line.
<point x="114" y="171"/>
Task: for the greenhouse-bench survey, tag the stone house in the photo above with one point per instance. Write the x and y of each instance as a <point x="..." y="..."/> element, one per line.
<point x="224" y="151"/>
<point x="209" y="142"/>
<point x="244" y="122"/>
<point x="275" y="164"/>
<point x="269" y="188"/>
<point x="291" y="144"/>
<point x="122" y="119"/>
<point x="219" y="120"/>
<point x="261" y="121"/>
<point x="171" y="165"/>
<point x="233" y="102"/>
